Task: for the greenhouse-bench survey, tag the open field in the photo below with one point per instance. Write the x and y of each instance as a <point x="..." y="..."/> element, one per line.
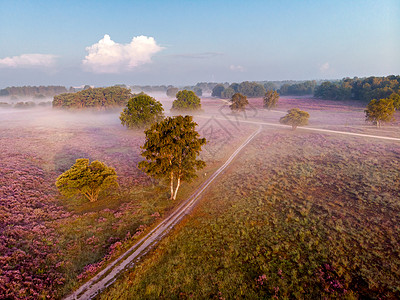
<point x="49" y="244"/>
<point x="329" y="202"/>
<point x="300" y="215"/>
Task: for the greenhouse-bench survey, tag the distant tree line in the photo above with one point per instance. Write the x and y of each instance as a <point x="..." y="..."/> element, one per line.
<point x="246" y="88"/>
<point x="33" y="91"/>
<point x="109" y="97"/>
<point x="298" y="89"/>
<point x="363" y="89"/>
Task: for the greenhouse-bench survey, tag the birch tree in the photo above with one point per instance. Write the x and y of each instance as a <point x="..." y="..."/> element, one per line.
<point x="171" y="149"/>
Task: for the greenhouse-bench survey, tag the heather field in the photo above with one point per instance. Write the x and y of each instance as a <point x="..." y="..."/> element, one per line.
<point x="298" y="215"/>
<point x="49" y="244"/>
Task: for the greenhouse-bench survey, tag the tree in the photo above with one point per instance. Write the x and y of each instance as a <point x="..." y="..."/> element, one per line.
<point x="171" y="91"/>
<point x="217" y="90"/>
<point x="239" y="102"/>
<point x="378" y="111"/>
<point x="186" y="100"/>
<point x="271" y="99"/>
<point x="86" y="179"/>
<point x="171" y="148"/>
<point x="396" y="100"/>
<point x="295" y="117"/>
<point x="141" y="111"/>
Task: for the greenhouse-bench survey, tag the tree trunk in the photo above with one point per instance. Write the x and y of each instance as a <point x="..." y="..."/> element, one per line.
<point x="294" y="127"/>
<point x="177" y="187"/>
<point x="172" y="185"/>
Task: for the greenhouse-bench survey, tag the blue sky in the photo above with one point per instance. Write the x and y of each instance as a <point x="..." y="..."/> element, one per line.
<point x="184" y="42"/>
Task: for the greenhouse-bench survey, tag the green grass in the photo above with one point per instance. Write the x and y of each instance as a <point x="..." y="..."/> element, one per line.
<point x="297" y="216"/>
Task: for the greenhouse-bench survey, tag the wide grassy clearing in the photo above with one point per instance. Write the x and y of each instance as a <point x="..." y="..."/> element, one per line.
<point x="297" y="215"/>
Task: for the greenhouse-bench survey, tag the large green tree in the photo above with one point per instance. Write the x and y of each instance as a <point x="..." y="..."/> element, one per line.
<point x="171" y="151"/>
<point x="238" y="102"/>
<point x="141" y="111"/>
<point x="185" y="101"/>
<point x="295" y="117"/>
<point x="86" y="179"/>
<point x="271" y="99"/>
<point x="379" y="111"/>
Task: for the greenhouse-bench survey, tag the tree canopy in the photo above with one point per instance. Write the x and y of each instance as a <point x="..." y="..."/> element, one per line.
<point x="379" y="111"/>
<point x="171" y="149"/>
<point x="363" y="89"/>
<point x="114" y="96"/>
<point x="141" y="111"/>
<point x="246" y="88"/>
<point x="86" y="179"/>
<point x="298" y="89"/>
<point x="217" y="90"/>
<point x="271" y="99"/>
<point x="239" y="102"/>
<point x="295" y="117"/>
<point x="171" y="92"/>
<point x="186" y="100"/>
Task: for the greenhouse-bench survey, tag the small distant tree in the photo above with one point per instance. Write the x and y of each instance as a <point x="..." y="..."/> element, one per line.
<point x="295" y="117"/>
<point x="141" y="111"/>
<point x="379" y="111"/>
<point x="171" y="91"/>
<point x="239" y="102"/>
<point x="186" y="100"/>
<point x="86" y="179"/>
<point x="217" y="90"/>
<point x="171" y="148"/>
<point x="271" y="99"/>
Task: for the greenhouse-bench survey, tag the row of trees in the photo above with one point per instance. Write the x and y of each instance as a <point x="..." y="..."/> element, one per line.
<point x="246" y="88"/>
<point x="298" y="89"/>
<point x="363" y="89"/>
<point x="33" y="91"/>
<point x="109" y="97"/>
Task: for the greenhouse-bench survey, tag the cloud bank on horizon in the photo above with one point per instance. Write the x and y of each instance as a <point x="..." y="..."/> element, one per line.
<point x="28" y="61"/>
<point x="107" y="56"/>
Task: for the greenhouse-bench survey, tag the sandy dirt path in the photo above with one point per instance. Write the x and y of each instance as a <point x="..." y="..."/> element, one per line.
<point x="107" y="276"/>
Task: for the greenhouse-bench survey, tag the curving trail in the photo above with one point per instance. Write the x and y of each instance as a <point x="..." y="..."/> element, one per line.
<point x="107" y="276"/>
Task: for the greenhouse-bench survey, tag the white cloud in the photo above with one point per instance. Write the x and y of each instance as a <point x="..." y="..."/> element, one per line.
<point x="28" y="61"/>
<point x="324" y="67"/>
<point x="107" y="56"/>
<point x="236" y="68"/>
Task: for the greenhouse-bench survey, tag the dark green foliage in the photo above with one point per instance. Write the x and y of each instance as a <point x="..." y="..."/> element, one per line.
<point x="198" y="91"/>
<point x="364" y="89"/>
<point x="171" y="148"/>
<point x="246" y="88"/>
<point x="86" y="179"/>
<point x="217" y="90"/>
<point x="239" y="102"/>
<point x="379" y="111"/>
<point x="171" y="92"/>
<point x="271" y="99"/>
<point x="298" y="89"/>
<point x="186" y="101"/>
<point x="295" y="117"/>
<point x="110" y="97"/>
<point x="141" y="111"/>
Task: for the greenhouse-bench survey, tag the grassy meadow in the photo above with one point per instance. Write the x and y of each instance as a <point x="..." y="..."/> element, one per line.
<point x="298" y="215"/>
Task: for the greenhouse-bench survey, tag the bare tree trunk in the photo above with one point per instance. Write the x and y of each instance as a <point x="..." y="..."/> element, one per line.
<point x="172" y="185"/>
<point x="177" y="187"/>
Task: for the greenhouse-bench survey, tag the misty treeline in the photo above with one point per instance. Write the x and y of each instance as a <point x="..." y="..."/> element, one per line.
<point x="110" y="97"/>
<point x="33" y="91"/>
<point x="363" y="89"/>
